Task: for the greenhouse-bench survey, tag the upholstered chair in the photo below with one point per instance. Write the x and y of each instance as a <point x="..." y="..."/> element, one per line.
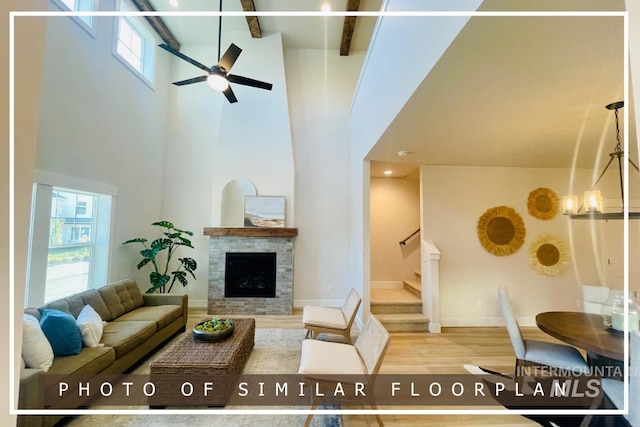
<point x="318" y="320"/>
<point x="593" y="297"/>
<point x="535" y="352"/>
<point x="330" y="362"/>
<point x="614" y="389"/>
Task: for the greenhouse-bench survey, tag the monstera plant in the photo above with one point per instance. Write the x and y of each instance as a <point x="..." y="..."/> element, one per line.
<point x="161" y="279"/>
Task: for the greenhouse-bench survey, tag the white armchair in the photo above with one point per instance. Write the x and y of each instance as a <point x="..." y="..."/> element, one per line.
<point x="330" y="320"/>
<point x="326" y="361"/>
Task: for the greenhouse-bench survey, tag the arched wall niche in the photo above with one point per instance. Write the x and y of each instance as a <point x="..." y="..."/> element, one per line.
<point x="232" y="206"/>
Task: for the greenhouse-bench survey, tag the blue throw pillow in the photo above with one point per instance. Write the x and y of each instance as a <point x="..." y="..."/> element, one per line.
<point x="61" y="330"/>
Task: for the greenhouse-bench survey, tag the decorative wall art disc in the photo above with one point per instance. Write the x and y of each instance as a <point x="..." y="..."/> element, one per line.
<point x="548" y="254"/>
<point x="543" y="203"/>
<point x="501" y="231"/>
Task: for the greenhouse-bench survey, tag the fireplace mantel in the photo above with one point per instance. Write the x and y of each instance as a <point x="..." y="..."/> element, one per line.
<point x="251" y="231"/>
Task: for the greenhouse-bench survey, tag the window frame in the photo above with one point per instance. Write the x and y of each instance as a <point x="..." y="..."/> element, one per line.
<point x="86" y="22"/>
<point x="149" y="41"/>
<point x="38" y="255"/>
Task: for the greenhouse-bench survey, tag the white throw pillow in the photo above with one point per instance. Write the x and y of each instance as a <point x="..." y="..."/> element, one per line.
<point x="91" y="326"/>
<point x="36" y="350"/>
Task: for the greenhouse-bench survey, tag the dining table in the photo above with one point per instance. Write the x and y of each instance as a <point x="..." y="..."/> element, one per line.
<point x="583" y="330"/>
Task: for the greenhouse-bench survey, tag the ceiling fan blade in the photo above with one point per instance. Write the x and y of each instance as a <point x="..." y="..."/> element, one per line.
<point x="229" y="57"/>
<point x="228" y="92"/>
<point x="249" y="82"/>
<point x="190" y="81"/>
<point x="185" y="57"/>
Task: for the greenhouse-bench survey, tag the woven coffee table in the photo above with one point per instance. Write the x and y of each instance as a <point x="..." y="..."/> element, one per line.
<point x="201" y="373"/>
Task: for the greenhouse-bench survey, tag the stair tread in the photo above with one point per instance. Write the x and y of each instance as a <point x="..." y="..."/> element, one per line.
<point x="413" y="283"/>
<point x="404" y="318"/>
<point x="381" y="296"/>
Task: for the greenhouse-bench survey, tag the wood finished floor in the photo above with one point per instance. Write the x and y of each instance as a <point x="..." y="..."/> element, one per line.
<point x="425" y="353"/>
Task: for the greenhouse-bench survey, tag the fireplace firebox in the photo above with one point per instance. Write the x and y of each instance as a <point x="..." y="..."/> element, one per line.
<point x="250" y="275"/>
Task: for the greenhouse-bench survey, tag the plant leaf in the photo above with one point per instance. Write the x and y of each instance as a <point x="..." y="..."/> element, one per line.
<point x="184" y="242"/>
<point x="172" y="235"/>
<point x="149" y="253"/>
<point x="181" y="276"/>
<point x="190" y="233"/>
<point x="157" y="279"/>
<point x="136" y="240"/>
<point x="190" y="264"/>
<point x="165" y="224"/>
<point x="160" y="244"/>
<point x="144" y="262"/>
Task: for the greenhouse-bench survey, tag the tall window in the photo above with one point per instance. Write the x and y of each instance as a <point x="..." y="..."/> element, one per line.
<point x="71" y="242"/>
<point x="69" y="245"/>
<point x="135" y="45"/>
<point x="79" y="6"/>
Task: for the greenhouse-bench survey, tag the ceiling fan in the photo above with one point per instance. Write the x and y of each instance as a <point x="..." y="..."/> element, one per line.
<point x="218" y="75"/>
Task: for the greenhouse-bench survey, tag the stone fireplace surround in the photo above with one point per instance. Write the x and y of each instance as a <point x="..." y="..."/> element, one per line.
<point x="250" y="239"/>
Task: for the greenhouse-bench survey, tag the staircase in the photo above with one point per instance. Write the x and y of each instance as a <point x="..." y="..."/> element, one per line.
<point x="400" y="309"/>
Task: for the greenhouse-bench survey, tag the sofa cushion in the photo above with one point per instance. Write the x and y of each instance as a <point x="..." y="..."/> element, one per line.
<point x="120" y="298"/>
<point x="125" y="336"/>
<point x="90" y="325"/>
<point x="61" y="330"/>
<point x="90" y="360"/>
<point x="36" y="350"/>
<point x="163" y="315"/>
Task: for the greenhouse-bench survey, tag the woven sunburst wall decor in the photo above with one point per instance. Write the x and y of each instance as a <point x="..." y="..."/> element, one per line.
<point x="549" y="254"/>
<point x="543" y="203"/>
<point x="501" y="230"/>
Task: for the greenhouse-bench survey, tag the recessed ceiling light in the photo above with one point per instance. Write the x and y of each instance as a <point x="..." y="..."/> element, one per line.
<point x="403" y="153"/>
<point x="388" y="172"/>
<point x="326" y="7"/>
<point x="174" y="3"/>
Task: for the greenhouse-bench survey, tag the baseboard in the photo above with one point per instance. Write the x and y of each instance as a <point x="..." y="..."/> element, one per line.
<point x="387" y="284"/>
<point x="453" y="322"/>
<point x="434" y="328"/>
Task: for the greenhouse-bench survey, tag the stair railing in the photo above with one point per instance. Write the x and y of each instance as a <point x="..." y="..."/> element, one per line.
<point x="404" y="242"/>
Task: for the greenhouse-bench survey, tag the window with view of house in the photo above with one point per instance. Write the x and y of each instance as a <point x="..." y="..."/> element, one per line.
<point x="135" y="44"/>
<point x="69" y="245"/>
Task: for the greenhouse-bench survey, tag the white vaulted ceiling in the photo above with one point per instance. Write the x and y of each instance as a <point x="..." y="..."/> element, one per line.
<point x="509" y="91"/>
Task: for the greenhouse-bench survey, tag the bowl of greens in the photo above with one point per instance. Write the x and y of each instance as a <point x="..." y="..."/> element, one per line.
<point x="213" y="329"/>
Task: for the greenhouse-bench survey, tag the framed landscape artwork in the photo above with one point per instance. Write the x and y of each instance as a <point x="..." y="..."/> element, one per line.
<point x="264" y="211"/>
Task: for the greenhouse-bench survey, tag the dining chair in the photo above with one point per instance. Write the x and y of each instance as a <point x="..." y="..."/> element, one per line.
<point x="330" y="362"/>
<point x="536" y="352"/>
<point x="593" y="297"/>
<point x="318" y="320"/>
<point x="614" y="389"/>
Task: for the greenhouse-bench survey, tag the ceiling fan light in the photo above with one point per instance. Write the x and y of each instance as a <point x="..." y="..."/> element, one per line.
<point x="218" y="82"/>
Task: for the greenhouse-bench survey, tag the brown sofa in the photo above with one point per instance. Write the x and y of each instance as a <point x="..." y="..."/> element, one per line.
<point x="136" y="323"/>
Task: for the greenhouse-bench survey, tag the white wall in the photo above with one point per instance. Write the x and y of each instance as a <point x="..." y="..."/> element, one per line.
<point x="29" y="45"/>
<point x="320" y="85"/>
<point x="395" y="214"/>
<point x="100" y="122"/>
<point x="380" y="95"/>
<point x="454" y="198"/>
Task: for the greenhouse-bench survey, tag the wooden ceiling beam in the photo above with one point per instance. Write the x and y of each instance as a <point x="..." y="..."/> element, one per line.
<point x="347" y="27"/>
<point x="157" y="23"/>
<point x="252" y="21"/>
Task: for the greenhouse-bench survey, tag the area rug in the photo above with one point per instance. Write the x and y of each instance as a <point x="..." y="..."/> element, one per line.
<point x="276" y="351"/>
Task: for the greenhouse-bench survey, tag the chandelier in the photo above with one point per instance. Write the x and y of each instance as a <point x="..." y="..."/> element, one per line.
<point x="592" y="206"/>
